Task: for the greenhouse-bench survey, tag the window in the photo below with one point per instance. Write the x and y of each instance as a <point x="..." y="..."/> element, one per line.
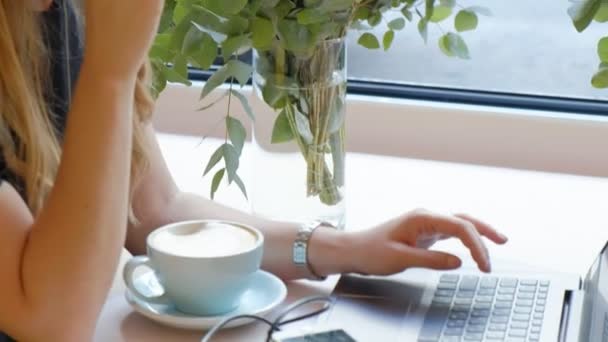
<point x="525" y="47"/>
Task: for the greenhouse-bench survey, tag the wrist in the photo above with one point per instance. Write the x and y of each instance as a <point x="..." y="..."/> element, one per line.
<point x="329" y="251"/>
<point x="98" y="70"/>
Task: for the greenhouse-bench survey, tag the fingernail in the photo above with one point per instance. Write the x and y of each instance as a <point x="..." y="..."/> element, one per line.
<point x="488" y="266"/>
<point x="453" y="262"/>
<point x="503" y="237"/>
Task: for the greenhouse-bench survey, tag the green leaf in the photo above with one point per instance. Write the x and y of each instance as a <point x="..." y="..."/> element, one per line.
<point x="397" y="24"/>
<point x="233" y="68"/>
<point x="479" y="10"/>
<point x="309" y="16"/>
<point x="236" y="45"/>
<point x="223" y="7"/>
<point x="262" y="32"/>
<point x="600" y="79"/>
<point x="374" y="19"/>
<point x="582" y="13"/>
<point x="215" y="183"/>
<point x="179" y="33"/>
<point x="448" y="3"/>
<point x="216" y="101"/>
<point x="465" y="21"/>
<point x="328" y="6"/>
<point x="423" y="29"/>
<point x="215" y="158"/>
<point x="231" y="159"/>
<point x="236" y="132"/>
<point x="204" y="57"/>
<point x="244" y="103"/>
<point x="602" y="49"/>
<point x="429" y="9"/>
<point x="281" y="131"/>
<point x="452" y="44"/>
<point x="296" y="37"/>
<point x="407" y="13"/>
<point x="192" y="41"/>
<point x="387" y="40"/>
<point x="602" y="13"/>
<point x="369" y="41"/>
<point x="241" y="185"/>
<point x="362" y="13"/>
<point x="441" y="13"/>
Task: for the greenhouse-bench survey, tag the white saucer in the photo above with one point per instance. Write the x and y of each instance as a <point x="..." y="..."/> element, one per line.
<point x="266" y="293"/>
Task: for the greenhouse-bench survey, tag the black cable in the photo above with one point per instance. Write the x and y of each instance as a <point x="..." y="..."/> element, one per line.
<point x="278" y="322"/>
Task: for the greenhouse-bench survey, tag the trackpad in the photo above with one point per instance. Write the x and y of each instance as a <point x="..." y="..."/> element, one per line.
<point x="374" y="309"/>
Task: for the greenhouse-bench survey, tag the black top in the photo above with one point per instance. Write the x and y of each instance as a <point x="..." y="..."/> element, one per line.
<point x="66" y="57"/>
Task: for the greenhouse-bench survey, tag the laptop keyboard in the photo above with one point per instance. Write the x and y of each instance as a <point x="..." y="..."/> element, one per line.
<point x="472" y="308"/>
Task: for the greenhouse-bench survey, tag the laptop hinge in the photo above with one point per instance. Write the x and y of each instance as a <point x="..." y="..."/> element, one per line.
<point x="571" y="316"/>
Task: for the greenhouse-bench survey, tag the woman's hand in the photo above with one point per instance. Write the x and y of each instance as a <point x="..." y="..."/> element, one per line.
<point x="403" y="243"/>
<point x="119" y="34"/>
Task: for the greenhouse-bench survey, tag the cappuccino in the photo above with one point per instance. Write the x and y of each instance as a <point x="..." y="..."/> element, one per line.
<point x="204" y="240"/>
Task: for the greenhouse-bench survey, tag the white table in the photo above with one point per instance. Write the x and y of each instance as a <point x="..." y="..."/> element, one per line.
<point x="554" y="221"/>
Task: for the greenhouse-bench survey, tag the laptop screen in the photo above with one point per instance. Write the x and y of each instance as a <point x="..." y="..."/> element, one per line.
<point x="595" y="309"/>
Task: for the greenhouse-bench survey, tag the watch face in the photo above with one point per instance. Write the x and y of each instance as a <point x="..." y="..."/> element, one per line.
<point x="327" y="336"/>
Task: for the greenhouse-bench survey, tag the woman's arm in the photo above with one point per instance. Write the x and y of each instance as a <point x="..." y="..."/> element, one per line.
<point x="388" y="248"/>
<point x="56" y="268"/>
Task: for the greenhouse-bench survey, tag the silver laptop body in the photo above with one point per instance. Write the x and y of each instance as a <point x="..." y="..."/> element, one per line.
<point x="509" y="305"/>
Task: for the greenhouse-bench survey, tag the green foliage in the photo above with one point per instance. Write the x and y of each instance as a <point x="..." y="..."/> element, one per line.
<point x="582" y="13"/>
<point x="196" y="32"/>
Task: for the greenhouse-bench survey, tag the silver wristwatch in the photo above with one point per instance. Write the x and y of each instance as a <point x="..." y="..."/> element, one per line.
<point x="300" y="247"/>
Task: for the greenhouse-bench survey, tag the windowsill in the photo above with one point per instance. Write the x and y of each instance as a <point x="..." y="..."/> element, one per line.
<point x="484" y="135"/>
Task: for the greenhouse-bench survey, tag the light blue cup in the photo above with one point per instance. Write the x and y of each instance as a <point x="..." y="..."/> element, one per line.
<point x="202" y="286"/>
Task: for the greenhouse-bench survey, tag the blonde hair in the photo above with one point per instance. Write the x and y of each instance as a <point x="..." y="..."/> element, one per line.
<point x="28" y="139"/>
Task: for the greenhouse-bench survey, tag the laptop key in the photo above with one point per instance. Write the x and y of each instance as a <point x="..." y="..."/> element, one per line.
<point x="482" y="306"/>
<point x="458" y="315"/>
<point x="461" y="308"/>
<point x="545" y="283"/>
<point x="534" y="337"/>
<point x="450" y="339"/>
<point x="484" y="299"/>
<point x="518" y="333"/>
<point x="465" y="294"/>
<point x="527" y="289"/>
<point x="506" y="290"/>
<point x="500" y="319"/>
<point x="473" y="337"/>
<point x="508" y="282"/>
<point x="446" y="286"/>
<point x="453" y="332"/>
<point x="488" y="283"/>
<point x="522" y="310"/>
<point x="537" y="322"/>
<point x="529" y="282"/>
<point x="535" y="330"/>
<point x="505" y="298"/>
<point x="495" y="335"/>
<point x="475" y="329"/>
<point x="538" y="316"/>
<point x="486" y="292"/>
<point x="463" y="301"/>
<point x="449" y="278"/>
<point x="503" y="305"/>
<point x="445" y="293"/>
<point x="501" y="312"/>
<point x="478" y="321"/>
<point x="519" y="325"/>
<point x="497" y="327"/>
<point x="524" y="302"/>
<point x="521" y="317"/>
<point x="480" y="313"/>
<point x="433" y="323"/>
<point x="469" y="283"/>
<point x="458" y="323"/>
<point x="525" y="295"/>
<point x="539" y="308"/>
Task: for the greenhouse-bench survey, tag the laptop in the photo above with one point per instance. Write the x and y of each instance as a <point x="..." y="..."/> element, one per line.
<point x="511" y="305"/>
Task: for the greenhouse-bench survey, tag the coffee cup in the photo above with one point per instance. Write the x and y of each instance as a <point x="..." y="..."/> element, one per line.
<point x="204" y="267"/>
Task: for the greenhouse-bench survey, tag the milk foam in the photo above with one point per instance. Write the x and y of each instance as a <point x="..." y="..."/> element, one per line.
<point x="205" y="240"/>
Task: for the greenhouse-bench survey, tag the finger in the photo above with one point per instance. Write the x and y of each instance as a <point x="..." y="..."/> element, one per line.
<point x="418" y="257"/>
<point x="467" y="233"/>
<point x="485" y="229"/>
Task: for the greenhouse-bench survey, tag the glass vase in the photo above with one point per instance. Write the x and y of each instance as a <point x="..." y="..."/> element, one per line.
<point x="299" y="137"/>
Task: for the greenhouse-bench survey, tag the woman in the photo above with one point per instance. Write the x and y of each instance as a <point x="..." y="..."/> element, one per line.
<point x="69" y="187"/>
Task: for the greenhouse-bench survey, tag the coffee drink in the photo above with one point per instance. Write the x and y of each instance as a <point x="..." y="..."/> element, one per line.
<point x="200" y="240"/>
<point x="204" y="267"/>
